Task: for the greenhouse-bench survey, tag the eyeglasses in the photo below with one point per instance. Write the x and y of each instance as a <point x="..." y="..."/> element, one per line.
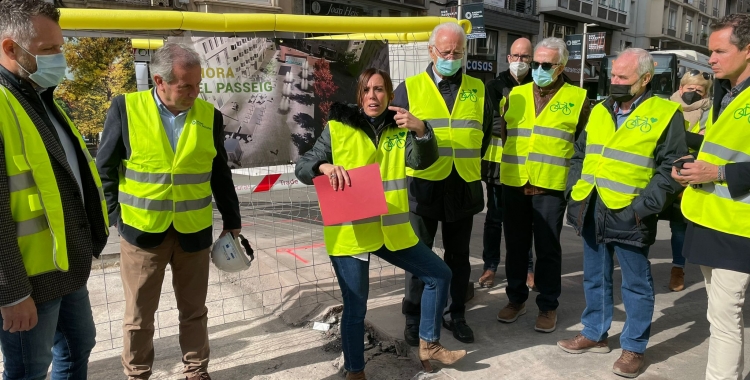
<point x="446" y="54"/>
<point x="517" y="57"/>
<point x="545" y="65"/>
<point x="695" y="72"/>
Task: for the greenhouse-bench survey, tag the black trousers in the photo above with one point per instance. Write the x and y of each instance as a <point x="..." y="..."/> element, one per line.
<point x="538" y="217"/>
<point x="456" y="238"/>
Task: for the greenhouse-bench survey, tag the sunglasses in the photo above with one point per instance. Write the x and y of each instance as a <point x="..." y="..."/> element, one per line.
<point x="695" y="72"/>
<point x="545" y="65"/>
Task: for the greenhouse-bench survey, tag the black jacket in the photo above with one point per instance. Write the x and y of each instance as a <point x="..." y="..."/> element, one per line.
<point x="420" y="154"/>
<point x="453" y="198"/>
<point x="115" y="147"/>
<point x="495" y="89"/>
<point x="636" y="223"/>
<point x="85" y="230"/>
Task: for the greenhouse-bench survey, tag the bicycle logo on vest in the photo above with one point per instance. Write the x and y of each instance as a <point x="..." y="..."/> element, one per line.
<point x="642" y="123"/>
<point x="566" y="108"/>
<point x="739" y="113"/>
<point x="199" y="123"/>
<point x="468" y="94"/>
<point x="398" y="140"/>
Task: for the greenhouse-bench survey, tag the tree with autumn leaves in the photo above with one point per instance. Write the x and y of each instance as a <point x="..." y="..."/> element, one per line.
<point x="323" y="88"/>
<point x="102" y="68"/>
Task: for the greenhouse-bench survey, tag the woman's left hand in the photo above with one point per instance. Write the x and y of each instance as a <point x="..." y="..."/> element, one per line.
<point x="405" y="119"/>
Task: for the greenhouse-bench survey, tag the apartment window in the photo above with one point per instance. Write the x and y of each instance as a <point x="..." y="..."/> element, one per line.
<point x="218" y="60"/>
<point x="672" y="19"/>
<point x="211" y="44"/>
<point x="704" y="30"/>
<point x="226" y="55"/>
<point x="485" y="47"/>
<point x="558" y="30"/>
<point x="623" y="4"/>
<point x="205" y="48"/>
<point x="688" y="24"/>
<point x="603" y="2"/>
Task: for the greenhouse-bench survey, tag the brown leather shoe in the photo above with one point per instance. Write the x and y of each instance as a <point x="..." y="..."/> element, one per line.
<point x="435" y="351"/>
<point x="546" y="321"/>
<point x="198" y="376"/>
<point x="629" y="364"/>
<point x="677" y="279"/>
<point x="580" y="344"/>
<point x="487" y="280"/>
<point x="511" y="312"/>
<point x="356" y="375"/>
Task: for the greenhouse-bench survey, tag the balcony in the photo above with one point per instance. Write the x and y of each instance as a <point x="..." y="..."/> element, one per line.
<point x="689" y="37"/>
<point x="704" y="42"/>
<point x="669" y="31"/>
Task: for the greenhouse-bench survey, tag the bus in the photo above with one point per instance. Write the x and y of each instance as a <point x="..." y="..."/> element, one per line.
<point x="669" y="67"/>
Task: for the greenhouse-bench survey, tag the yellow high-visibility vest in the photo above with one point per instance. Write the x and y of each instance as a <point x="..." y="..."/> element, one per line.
<point x="725" y="141"/>
<point x="158" y="186"/>
<point x="35" y="202"/>
<point x="538" y="148"/>
<point x="494" y="152"/>
<point x="459" y="132"/>
<point x="620" y="162"/>
<point x="352" y="148"/>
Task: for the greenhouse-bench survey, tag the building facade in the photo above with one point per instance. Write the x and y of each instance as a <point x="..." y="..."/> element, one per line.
<point x="204" y="6"/>
<point x="678" y="25"/>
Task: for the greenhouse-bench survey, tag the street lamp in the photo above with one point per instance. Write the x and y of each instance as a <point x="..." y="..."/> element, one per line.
<point x="583" y="50"/>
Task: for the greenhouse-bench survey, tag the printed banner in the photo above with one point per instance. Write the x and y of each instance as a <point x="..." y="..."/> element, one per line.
<point x="275" y="93"/>
<point x="594" y="49"/>
<point x="472" y="12"/>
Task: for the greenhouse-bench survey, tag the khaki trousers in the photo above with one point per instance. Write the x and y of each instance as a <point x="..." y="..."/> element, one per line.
<point x="726" y="296"/>
<point x="142" y="273"/>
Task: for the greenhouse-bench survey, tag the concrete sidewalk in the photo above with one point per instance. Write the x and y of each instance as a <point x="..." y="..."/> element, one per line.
<point x="679" y="335"/>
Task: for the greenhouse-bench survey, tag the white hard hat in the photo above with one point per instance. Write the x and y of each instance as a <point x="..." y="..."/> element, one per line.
<point x="227" y="253"/>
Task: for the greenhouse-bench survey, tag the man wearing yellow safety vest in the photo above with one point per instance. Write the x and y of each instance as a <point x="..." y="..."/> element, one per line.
<point x="619" y="181"/>
<point x="450" y="190"/>
<point x="717" y="202"/>
<point x="541" y="123"/>
<point x="161" y="159"/>
<point x="498" y="89"/>
<point x="53" y="219"/>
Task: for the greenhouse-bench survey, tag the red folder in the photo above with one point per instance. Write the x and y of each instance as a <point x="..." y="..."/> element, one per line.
<point x="364" y="199"/>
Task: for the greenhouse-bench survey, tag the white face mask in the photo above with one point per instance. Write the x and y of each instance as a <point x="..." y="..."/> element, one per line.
<point x="50" y="69"/>
<point x="519" y="68"/>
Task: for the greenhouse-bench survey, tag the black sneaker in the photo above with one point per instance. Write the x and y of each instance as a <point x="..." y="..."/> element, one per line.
<point x="411" y="334"/>
<point x="461" y="331"/>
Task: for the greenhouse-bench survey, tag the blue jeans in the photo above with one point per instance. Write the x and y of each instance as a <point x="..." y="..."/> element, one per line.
<point x="64" y="336"/>
<point x="353" y="277"/>
<point x="493" y="230"/>
<point x="637" y="289"/>
<point x="678" y="225"/>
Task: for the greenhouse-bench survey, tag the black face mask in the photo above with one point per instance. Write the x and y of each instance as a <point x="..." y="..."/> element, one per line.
<point x="691" y="97"/>
<point x="621" y="92"/>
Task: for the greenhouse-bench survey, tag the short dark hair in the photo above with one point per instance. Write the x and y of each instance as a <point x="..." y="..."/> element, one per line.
<point x="740" y="25"/>
<point x="364" y="78"/>
<point x="16" y="15"/>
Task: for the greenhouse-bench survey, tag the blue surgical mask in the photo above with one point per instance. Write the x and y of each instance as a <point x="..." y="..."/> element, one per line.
<point x="543" y="78"/>
<point x="447" y="67"/>
<point x="50" y="69"/>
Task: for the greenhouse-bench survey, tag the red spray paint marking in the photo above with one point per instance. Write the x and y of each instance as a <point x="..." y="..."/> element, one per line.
<point x="296" y="256"/>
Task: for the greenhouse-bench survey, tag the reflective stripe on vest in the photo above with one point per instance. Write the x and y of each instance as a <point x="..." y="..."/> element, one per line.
<point x="494" y="152"/>
<point x="619" y="162"/>
<point x="726" y="141"/>
<point x="352" y="148"/>
<point x="538" y="148"/>
<point x="35" y="202"/>
<point x="459" y="133"/>
<point x="160" y="186"/>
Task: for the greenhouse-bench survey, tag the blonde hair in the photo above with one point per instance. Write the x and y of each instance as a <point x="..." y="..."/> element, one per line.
<point x="697" y="80"/>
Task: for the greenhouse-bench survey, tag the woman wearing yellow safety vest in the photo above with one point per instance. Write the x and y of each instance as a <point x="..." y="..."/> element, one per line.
<point x="355" y="136"/>
<point x="693" y="97"/>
